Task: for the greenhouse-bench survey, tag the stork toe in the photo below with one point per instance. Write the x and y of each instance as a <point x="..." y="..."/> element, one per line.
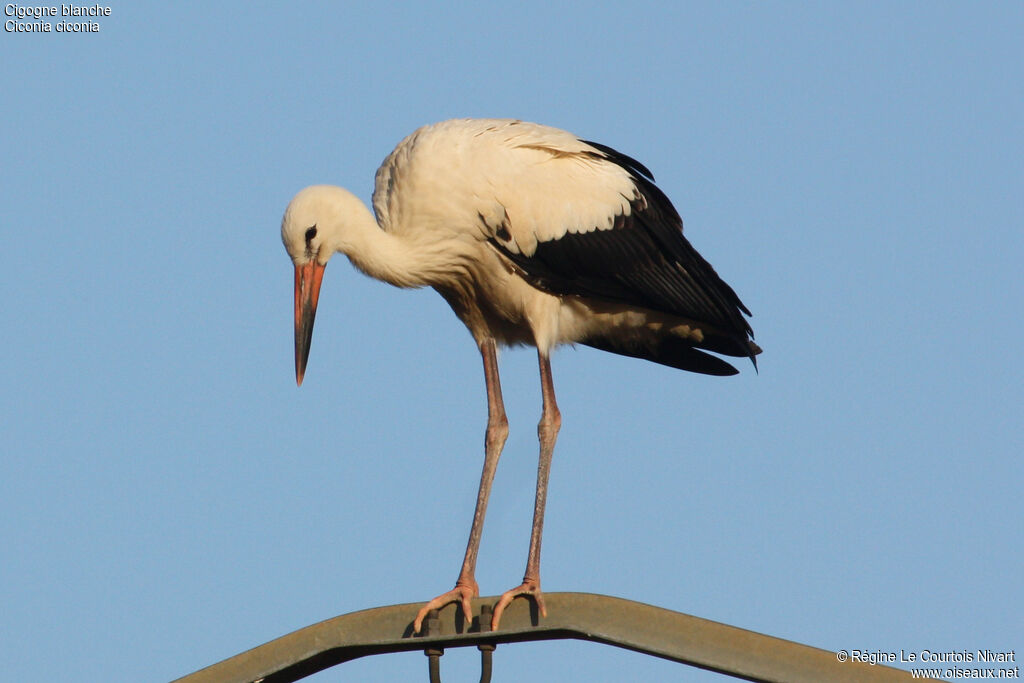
<point x="465" y="590"/>
<point x="528" y="588"/>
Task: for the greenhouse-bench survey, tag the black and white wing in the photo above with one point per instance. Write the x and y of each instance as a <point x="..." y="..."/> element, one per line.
<point x="617" y="237"/>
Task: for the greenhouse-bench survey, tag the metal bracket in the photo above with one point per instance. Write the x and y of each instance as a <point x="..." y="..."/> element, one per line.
<point x="431" y="626"/>
<point x="584" y="616"/>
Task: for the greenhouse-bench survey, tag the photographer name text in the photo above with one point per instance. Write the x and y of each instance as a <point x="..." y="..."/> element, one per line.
<point x="952" y="664"/>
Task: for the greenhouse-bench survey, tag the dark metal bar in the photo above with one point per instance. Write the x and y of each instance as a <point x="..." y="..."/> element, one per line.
<point x="434" y="665"/>
<point x="486" y="649"/>
<point x="433" y="653"/>
<point x="599" y="618"/>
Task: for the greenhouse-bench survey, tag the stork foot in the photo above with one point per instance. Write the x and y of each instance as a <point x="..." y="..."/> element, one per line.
<point x="465" y="590"/>
<point x="529" y="588"/>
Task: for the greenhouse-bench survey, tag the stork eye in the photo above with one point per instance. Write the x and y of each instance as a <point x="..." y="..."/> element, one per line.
<point x="310" y="234"/>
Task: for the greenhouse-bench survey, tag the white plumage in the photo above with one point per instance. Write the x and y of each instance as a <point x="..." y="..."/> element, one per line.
<point x="533" y="236"/>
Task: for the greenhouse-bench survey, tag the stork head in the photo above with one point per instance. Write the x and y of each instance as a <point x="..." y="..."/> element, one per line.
<point x="320" y="221"/>
<point x="310" y="232"/>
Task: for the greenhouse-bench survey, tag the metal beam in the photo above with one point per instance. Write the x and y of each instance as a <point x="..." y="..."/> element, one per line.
<point x="584" y="616"/>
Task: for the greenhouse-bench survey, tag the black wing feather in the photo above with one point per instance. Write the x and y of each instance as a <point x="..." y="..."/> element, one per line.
<point x="670" y="351"/>
<point x="644" y="260"/>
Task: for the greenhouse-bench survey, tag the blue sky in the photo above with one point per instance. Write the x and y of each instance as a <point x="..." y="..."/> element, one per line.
<point x="169" y="498"/>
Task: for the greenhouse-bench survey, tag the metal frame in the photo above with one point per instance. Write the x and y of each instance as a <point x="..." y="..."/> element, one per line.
<point x="584" y="616"/>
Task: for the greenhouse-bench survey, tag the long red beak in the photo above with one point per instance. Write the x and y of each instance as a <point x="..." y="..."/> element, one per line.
<point x="307" y="292"/>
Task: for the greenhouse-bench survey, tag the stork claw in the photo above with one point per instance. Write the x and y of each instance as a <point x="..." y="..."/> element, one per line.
<point x="464" y="591"/>
<point x="528" y="588"/>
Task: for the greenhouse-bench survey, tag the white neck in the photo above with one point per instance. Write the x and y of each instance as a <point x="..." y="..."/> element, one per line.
<point x="386" y="256"/>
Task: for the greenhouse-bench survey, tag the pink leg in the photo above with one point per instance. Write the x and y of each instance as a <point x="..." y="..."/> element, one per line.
<point x="547" y="431"/>
<point x="466" y="587"/>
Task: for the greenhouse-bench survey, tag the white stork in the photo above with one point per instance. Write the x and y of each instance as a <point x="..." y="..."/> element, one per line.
<point x="533" y="236"/>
